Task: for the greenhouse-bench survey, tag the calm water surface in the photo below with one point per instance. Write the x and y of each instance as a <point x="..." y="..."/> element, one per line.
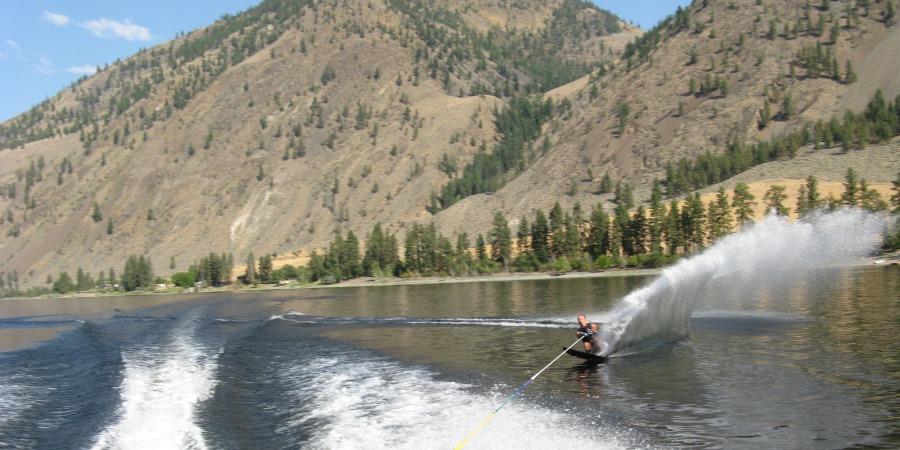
<point x="803" y="363"/>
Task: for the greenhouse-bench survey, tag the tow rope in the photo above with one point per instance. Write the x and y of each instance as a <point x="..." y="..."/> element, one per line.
<point x="487" y="420"/>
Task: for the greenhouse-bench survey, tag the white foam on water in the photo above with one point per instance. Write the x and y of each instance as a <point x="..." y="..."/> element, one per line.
<point x="285" y="315"/>
<point x="380" y="404"/>
<point x="14" y="399"/>
<point x="518" y="323"/>
<point x="465" y="321"/>
<point x="160" y="390"/>
<point x="774" y="249"/>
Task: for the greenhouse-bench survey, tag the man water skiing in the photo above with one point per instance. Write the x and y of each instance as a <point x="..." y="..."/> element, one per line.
<point x="588" y="332"/>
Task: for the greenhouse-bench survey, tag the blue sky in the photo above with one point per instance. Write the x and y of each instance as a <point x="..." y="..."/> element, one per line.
<point x="45" y="44"/>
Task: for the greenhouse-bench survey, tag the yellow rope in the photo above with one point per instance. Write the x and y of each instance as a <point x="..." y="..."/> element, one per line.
<point x="482" y="425"/>
<point x="487" y="420"/>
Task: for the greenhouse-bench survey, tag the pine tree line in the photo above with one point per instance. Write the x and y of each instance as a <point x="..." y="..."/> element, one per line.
<point x="878" y="123"/>
<point x="648" y="236"/>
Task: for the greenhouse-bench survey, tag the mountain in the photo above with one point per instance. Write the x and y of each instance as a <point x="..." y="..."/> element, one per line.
<point x="268" y="130"/>
<point x="761" y="51"/>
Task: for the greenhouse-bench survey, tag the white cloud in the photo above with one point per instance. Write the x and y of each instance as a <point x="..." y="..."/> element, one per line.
<point x="86" y="69"/>
<point x="44" y="66"/>
<point x="16" y="51"/>
<point x="115" y="29"/>
<point x="59" y="20"/>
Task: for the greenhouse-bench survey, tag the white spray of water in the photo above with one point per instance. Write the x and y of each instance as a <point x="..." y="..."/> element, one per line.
<point x="14" y="399"/>
<point x="160" y="390"/>
<point x="773" y="248"/>
<point x="379" y="404"/>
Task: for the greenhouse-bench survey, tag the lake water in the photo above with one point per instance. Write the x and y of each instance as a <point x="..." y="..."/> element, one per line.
<point x="805" y="362"/>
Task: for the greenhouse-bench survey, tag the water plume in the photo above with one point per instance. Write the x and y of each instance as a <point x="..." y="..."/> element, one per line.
<point x="771" y="250"/>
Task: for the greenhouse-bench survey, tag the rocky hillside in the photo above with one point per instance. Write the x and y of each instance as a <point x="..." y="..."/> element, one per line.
<point x="268" y="130"/>
<point x="706" y="77"/>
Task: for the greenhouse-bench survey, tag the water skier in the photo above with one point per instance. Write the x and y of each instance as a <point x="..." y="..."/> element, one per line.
<point x="589" y="334"/>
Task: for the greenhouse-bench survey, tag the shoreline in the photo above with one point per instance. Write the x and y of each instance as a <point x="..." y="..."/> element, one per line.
<point x="361" y="282"/>
<point x="869" y="261"/>
<point x="493" y="277"/>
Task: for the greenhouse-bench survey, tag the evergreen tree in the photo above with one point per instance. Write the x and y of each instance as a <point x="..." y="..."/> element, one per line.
<point x="775" y="198"/>
<point x="414" y="252"/>
<point x="480" y="248"/>
<point x="637" y="232"/>
<point x="598" y="238"/>
<point x="694" y="222"/>
<point x="606" y="184"/>
<point x="622" y="115"/>
<point x="572" y="236"/>
<point x="720" y="218"/>
<point x="62" y="285"/>
<point x="892" y="239"/>
<point x="802" y="208"/>
<point x="624" y="195"/>
<point x="657" y="218"/>
<point x="540" y="233"/>
<point x="622" y="221"/>
<point x="501" y="240"/>
<point x="333" y="257"/>
<point x="97" y="216"/>
<point x="381" y="257"/>
<point x="250" y="272"/>
<point x="895" y="197"/>
<point x="137" y="274"/>
<point x="264" y="272"/>
<point x="463" y="255"/>
<point x="808" y="198"/>
<point x="213" y="269"/>
<point x="870" y="199"/>
<point x="315" y="266"/>
<point x="522" y="235"/>
<point x="350" y="259"/>
<point x="673" y="234"/>
<point x="615" y="240"/>
<point x="109" y="226"/>
<point x="557" y="231"/>
<point x="83" y="280"/>
<point x="577" y="232"/>
<point x="850" y="196"/>
<point x="765" y="115"/>
<point x="850" y="76"/>
<point x="743" y="202"/>
<point x="787" y="107"/>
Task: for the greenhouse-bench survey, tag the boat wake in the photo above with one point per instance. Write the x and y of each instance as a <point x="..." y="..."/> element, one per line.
<point x="462" y="321"/>
<point x="160" y="390"/>
<point x="381" y="404"/>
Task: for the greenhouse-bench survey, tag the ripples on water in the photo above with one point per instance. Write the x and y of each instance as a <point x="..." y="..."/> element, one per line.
<point x="811" y="364"/>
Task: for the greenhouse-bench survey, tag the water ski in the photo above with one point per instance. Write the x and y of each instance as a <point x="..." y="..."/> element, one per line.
<point x="588" y="357"/>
